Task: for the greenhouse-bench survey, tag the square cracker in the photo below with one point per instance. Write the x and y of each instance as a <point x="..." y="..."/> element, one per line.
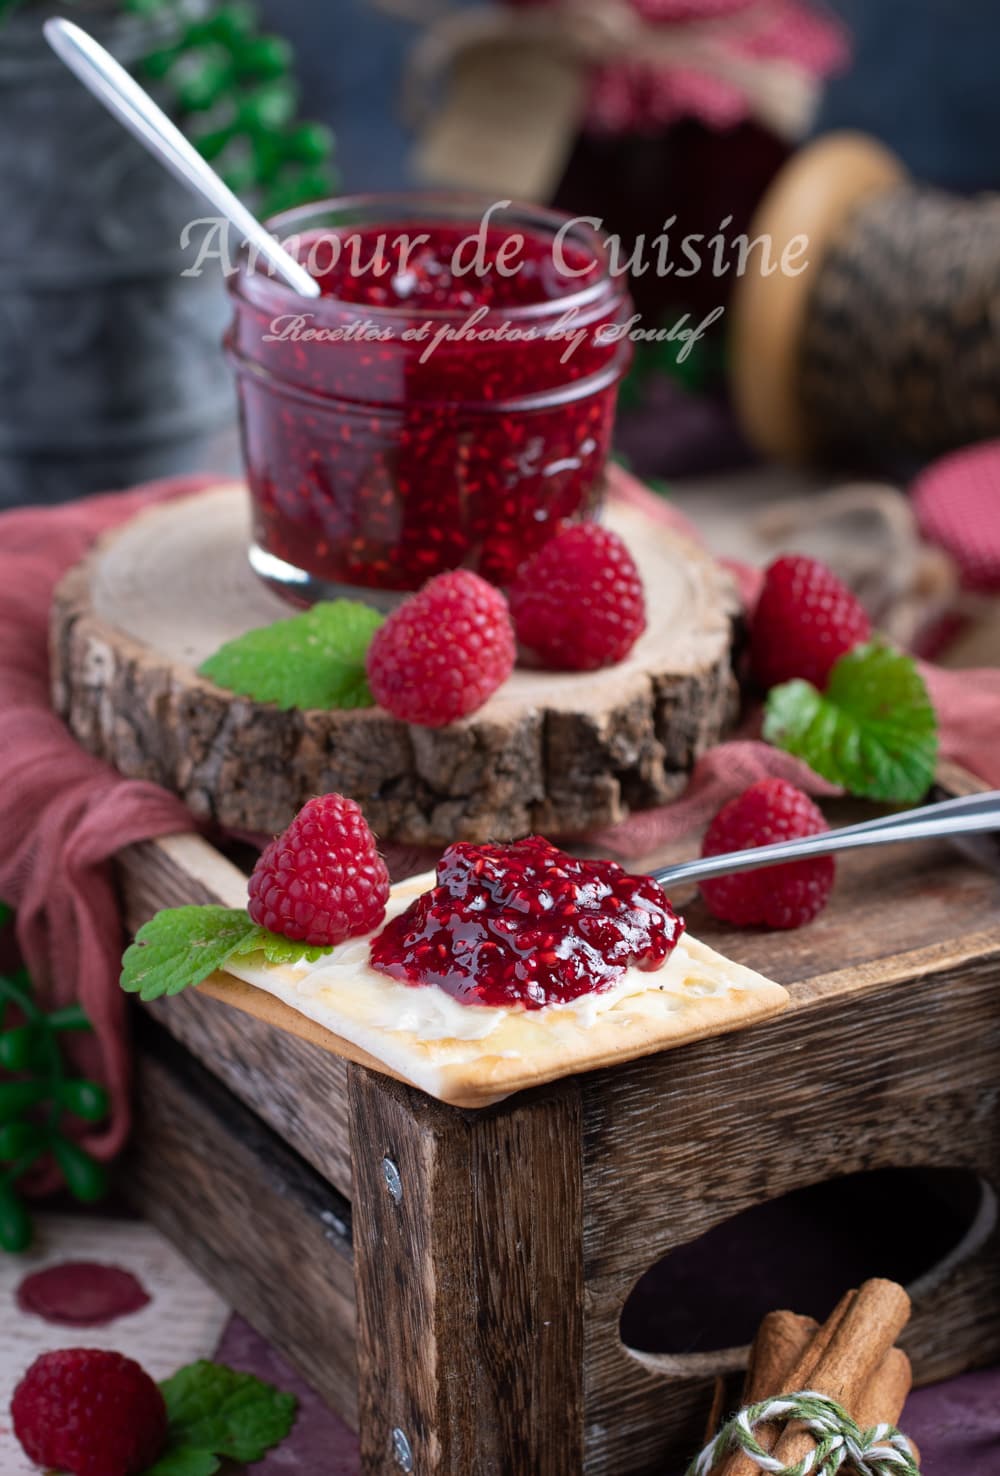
<point x="528" y="1047"/>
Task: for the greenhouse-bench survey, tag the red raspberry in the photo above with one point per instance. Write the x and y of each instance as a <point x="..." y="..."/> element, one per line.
<point x="777" y="896"/>
<point x="578" y="602"/>
<point x="443" y="652"/>
<point x="89" y="1413"/>
<point x="805" y="620"/>
<point x="323" y="880"/>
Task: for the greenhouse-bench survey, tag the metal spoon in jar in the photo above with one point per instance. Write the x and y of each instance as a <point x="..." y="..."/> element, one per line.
<point x="955" y="817"/>
<point x="112" y="85"/>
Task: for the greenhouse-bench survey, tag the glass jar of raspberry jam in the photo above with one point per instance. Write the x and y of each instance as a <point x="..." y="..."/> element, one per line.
<point x="447" y="402"/>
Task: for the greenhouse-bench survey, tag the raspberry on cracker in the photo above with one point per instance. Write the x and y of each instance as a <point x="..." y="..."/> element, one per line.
<point x="323" y="880"/>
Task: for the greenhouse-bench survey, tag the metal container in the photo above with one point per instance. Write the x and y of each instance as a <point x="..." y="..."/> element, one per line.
<point x="111" y="369"/>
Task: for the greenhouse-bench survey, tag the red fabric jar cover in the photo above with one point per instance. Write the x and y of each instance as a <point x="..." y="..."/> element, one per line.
<point x="637" y="97"/>
<point x="957" y="503"/>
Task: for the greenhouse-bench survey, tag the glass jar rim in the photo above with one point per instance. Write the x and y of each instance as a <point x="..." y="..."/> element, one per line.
<point x="526" y="404"/>
<point x="264" y="289"/>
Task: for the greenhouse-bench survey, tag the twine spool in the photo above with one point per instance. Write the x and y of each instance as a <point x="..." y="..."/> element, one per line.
<point x="887" y="348"/>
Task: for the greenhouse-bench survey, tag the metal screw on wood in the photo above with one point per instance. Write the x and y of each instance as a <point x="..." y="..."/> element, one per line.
<point x="401" y="1446"/>
<point x="394" y="1184"/>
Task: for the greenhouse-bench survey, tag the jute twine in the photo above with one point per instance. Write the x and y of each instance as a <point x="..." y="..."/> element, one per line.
<point x="901" y="344"/>
<point x="841" y="1446"/>
<point x="599" y="31"/>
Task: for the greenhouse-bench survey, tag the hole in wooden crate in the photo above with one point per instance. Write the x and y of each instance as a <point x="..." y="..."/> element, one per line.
<point x="802" y="1251"/>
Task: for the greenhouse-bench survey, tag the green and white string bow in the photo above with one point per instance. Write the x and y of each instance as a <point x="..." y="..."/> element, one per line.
<point x="841" y="1445"/>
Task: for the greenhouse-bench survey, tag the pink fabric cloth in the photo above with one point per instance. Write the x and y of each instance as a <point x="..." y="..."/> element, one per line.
<point x="719" y="776"/>
<point x="968" y="709"/>
<point x="65" y="815"/>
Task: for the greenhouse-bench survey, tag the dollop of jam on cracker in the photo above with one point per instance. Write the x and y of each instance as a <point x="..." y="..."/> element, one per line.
<point x="526" y="924"/>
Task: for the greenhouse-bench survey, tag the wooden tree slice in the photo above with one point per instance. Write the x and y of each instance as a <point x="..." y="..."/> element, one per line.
<point x="555" y="752"/>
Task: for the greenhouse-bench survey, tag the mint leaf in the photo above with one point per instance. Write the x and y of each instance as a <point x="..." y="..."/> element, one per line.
<point x="180" y="947"/>
<point x="216" y="1410"/>
<point x="278" y="950"/>
<point x="873" y="731"/>
<point x="185" y="1461"/>
<point x="313" y="660"/>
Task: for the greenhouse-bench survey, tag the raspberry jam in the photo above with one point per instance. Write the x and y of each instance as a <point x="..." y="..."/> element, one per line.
<point x="448" y="401"/>
<point x="429" y="275"/>
<point x="525" y="924"/>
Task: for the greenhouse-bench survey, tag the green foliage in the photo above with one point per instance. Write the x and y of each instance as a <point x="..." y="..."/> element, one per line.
<point x="312" y="660"/>
<point x="217" y="1414"/>
<point x="36" y="1091"/>
<point x="15" y="1222"/>
<point x="233" y="90"/>
<point x="86" y="1179"/>
<point x="179" y="947"/>
<point x="275" y="949"/>
<point x="873" y="731"/>
<point x="185" y="1460"/>
<point x="701" y="370"/>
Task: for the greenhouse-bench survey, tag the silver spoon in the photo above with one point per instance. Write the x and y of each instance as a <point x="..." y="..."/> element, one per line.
<point x="964" y="816"/>
<point x="108" y="80"/>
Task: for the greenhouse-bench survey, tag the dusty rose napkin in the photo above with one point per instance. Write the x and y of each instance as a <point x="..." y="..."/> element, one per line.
<point x="64" y="814"/>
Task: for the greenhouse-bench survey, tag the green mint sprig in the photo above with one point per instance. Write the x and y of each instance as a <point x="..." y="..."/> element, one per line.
<point x="312" y="660"/>
<point x="216" y="1414"/>
<point x="873" y="730"/>
<point x="36" y="1093"/>
<point x="181" y="946"/>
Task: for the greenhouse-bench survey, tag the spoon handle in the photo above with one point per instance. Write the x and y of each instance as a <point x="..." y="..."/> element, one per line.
<point x="967" y="804"/>
<point x="112" y="85"/>
<point x="966" y="816"/>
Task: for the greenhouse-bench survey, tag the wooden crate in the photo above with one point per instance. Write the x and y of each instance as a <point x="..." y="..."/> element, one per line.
<point x="452" y="1282"/>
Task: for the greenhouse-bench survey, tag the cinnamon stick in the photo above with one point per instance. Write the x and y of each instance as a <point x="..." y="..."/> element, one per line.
<point x="858" y="1347"/>
<point x="781" y="1340"/>
<point x="884" y="1395"/>
<point x="801" y="1375"/>
<point x="718" y="1409"/>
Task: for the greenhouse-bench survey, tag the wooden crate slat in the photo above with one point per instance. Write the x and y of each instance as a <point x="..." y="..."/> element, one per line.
<point x="255" y="1221"/>
<point x="712" y="1129"/>
<point x="298" y="1089"/>
<point x="470" y="1287"/>
<point x="489" y="1299"/>
<point x="173" y="871"/>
